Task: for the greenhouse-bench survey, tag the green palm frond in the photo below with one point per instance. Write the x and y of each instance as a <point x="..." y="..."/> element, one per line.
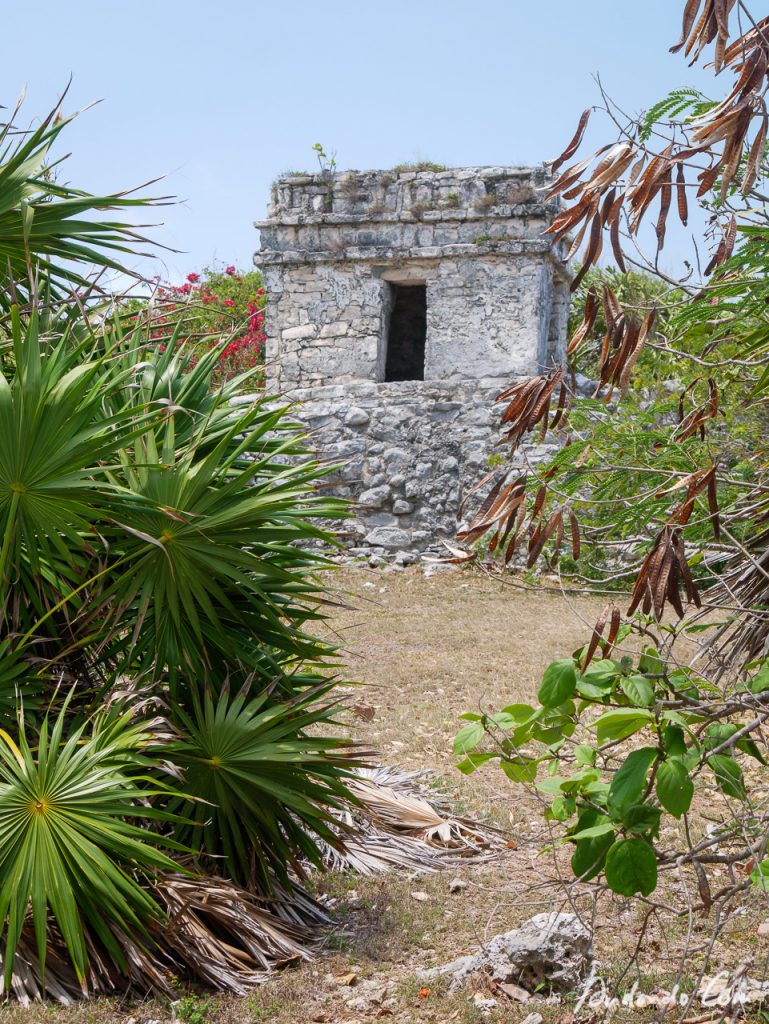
<point x="68" y="846"/>
<point x="264" y="779"/>
<point x="50" y="228"/>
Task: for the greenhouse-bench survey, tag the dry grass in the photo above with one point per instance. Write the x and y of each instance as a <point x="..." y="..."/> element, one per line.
<point x="428" y="649"/>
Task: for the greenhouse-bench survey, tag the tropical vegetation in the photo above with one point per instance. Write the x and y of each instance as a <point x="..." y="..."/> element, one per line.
<point x="168" y="707"/>
<point x="647" y="745"/>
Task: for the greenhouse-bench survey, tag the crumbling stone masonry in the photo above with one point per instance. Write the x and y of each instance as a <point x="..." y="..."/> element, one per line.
<point x="399" y="305"/>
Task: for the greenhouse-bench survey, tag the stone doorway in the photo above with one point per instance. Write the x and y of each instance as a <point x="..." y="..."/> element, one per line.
<point x="405" y="356"/>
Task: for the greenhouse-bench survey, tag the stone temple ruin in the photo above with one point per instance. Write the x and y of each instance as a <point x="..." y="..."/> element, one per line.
<point x="399" y="305"/>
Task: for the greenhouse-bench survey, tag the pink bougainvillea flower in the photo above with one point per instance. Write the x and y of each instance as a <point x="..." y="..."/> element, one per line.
<point x="229" y="302"/>
<point x="193" y="278"/>
<point x="230" y="270"/>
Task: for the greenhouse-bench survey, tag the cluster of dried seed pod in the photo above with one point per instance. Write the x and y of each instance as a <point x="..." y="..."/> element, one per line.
<point x="629" y="177"/>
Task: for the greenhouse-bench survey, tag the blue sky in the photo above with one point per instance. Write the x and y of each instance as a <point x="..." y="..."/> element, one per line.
<point x="220" y="98"/>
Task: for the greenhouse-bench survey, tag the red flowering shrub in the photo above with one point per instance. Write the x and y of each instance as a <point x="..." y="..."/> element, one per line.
<point x="212" y="307"/>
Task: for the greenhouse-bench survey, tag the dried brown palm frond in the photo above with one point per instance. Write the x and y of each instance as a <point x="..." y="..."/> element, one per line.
<point x="397" y="823"/>
<point x="378" y="852"/>
<point x="225" y="937"/>
<point x="400" y="802"/>
<point x="216" y="934"/>
<point x="743" y="583"/>
<point x="144" y="968"/>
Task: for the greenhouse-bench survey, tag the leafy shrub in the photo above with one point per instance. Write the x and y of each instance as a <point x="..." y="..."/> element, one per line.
<point x="207" y="308"/>
<point x="159" y="545"/>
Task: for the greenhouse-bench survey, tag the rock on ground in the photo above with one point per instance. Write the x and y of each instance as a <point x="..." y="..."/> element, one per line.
<point x="554" y="951"/>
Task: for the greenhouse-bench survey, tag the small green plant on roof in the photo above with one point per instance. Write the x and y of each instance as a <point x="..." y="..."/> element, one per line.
<point x="453" y="200"/>
<point x="326" y="161"/>
<point x="418" y="165"/>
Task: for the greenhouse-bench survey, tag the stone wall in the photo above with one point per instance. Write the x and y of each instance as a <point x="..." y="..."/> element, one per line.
<point x="334" y="247"/>
<point x="407" y="453"/>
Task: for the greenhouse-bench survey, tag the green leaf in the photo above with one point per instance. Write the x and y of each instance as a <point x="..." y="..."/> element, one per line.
<point x="601" y="673"/>
<point x="619" y="723"/>
<point x="760" y="876"/>
<point x="562" y="808"/>
<point x="468" y="737"/>
<point x="637" y="689"/>
<point x="650" y="663"/>
<point x="673" y="741"/>
<point x="760" y="681"/>
<point x="631" y="868"/>
<point x="558" y="683"/>
<point x="674" y="788"/>
<point x="629" y="779"/>
<point x="642" y="819"/>
<point x="593" y="831"/>
<point x="728" y="775"/>
<point x="473" y="761"/>
<point x="520" y="712"/>
<point x="584" y="754"/>
<point x="520" y="769"/>
<point x="590" y="854"/>
<point x="502" y="720"/>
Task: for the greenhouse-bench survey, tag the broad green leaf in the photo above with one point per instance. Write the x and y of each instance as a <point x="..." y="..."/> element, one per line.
<point x="520" y="769"/>
<point x="593" y="831"/>
<point x="760" y="876"/>
<point x="588" y="858"/>
<point x="601" y="673"/>
<point x="468" y="737"/>
<point x="562" y="808"/>
<point x="650" y="663"/>
<point x="620" y="723"/>
<point x="674" y="741"/>
<point x="728" y="775"/>
<point x="473" y="761"/>
<point x="642" y="819"/>
<point x="674" y="788"/>
<point x="630" y="778"/>
<point x="558" y="683"/>
<point x="637" y="689"/>
<point x="760" y="681"/>
<point x="584" y="754"/>
<point x="631" y="868"/>
<point x="520" y="712"/>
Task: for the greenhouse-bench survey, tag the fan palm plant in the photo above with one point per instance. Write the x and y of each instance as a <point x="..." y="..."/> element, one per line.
<point x="159" y="542"/>
<point x="260" y="780"/>
<point x="67" y="841"/>
<point x="50" y="230"/>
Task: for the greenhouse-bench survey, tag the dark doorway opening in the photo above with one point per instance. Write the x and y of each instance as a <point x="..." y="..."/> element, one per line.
<point x="406" y="336"/>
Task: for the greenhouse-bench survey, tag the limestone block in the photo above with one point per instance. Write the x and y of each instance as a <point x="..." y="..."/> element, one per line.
<point x="356" y="417"/>
<point x="375" y="497"/>
<point x="391" y="538"/>
<point x="300" y="333"/>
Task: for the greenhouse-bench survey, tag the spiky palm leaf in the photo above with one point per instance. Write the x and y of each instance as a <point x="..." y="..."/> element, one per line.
<point x="261" y="781"/>
<point x="47" y="228"/>
<point x="68" y="846"/>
